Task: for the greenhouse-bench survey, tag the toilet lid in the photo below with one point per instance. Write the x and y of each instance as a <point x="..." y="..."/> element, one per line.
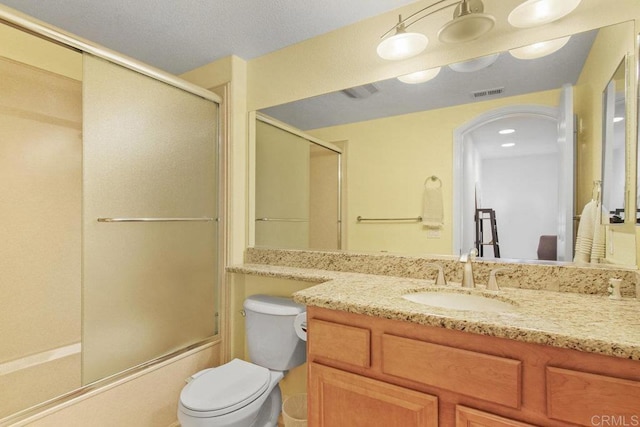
<point x="225" y="389"/>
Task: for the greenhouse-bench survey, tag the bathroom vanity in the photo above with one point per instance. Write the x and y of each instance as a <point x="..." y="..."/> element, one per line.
<point x="376" y="358"/>
<point x="371" y="371"/>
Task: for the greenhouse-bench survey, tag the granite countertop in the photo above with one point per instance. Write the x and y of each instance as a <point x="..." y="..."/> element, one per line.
<point x="589" y="323"/>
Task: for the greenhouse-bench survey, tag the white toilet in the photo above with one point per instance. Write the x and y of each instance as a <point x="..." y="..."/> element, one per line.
<point x="243" y="394"/>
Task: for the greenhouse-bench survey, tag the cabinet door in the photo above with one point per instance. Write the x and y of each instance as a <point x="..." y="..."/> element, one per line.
<point x="467" y="417"/>
<point x="339" y="399"/>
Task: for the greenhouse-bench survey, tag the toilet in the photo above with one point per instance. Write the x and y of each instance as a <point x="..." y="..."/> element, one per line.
<point x="243" y="394"/>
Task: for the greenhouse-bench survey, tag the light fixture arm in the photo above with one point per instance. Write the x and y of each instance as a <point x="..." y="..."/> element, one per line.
<point x="404" y="23"/>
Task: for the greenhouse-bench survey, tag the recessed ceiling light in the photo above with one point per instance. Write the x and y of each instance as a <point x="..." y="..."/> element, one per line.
<point x="508" y="144"/>
<point x="420" y="76"/>
<point x="506" y="131"/>
<point x="618" y="119"/>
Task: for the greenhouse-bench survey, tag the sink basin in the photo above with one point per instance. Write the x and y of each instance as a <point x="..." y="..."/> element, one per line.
<point x="456" y="301"/>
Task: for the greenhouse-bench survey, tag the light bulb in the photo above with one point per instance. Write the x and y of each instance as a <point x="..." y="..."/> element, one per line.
<point x="420" y="76"/>
<point x="538" y="50"/>
<point x="474" y="64"/>
<point x="402" y="45"/>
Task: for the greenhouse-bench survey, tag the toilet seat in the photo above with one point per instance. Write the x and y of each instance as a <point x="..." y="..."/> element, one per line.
<point x="222" y="390"/>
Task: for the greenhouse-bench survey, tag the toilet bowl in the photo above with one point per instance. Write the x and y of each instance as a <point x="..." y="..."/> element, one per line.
<point x="236" y="394"/>
<point x="244" y="394"/>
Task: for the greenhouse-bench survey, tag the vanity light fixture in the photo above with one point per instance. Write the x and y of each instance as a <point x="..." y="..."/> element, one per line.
<point x="469" y="22"/>
<point x="508" y="144"/>
<point x="538" y="50"/>
<point x="401" y="45"/>
<point x="532" y="13"/>
<point x="420" y="76"/>
<point x="506" y="131"/>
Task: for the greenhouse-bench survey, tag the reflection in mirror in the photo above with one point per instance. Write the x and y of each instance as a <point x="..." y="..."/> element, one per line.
<point x="398" y="134"/>
<point x="297" y="187"/>
<point x="613" y="146"/>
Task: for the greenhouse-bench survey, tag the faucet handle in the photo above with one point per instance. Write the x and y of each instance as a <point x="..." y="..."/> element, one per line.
<point x="469" y="256"/>
<point x="492" y="285"/>
<point x="440" y="280"/>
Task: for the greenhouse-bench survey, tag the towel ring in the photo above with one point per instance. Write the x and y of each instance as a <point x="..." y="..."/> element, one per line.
<point x="433" y="178"/>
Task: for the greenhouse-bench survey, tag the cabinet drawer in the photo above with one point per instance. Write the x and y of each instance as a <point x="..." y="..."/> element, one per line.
<point x="491" y="378"/>
<point x="348" y="344"/>
<point x="467" y="417"/>
<point x="590" y="399"/>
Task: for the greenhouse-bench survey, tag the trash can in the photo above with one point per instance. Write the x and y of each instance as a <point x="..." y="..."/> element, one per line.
<point x="294" y="410"/>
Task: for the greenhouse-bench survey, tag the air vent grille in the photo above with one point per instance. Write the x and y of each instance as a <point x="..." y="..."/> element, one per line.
<point x="487" y="92"/>
<point x="361" y="92"/>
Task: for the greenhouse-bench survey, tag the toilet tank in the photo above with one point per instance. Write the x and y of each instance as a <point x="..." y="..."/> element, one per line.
<point x="271" y="338"/>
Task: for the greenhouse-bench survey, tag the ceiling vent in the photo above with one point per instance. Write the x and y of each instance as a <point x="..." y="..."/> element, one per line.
<point x="361" y="92"/>
<point x="487" y="92"/>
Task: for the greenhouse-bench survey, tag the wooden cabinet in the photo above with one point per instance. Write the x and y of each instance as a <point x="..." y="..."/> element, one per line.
<point x="584" y="398"/>
<point x="368" y="371"/>
<point x="340" y="399"/>
<point x="467" y="417"/>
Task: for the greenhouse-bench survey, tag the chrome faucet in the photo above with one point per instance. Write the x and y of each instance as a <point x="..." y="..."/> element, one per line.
<point x="467" y="273"/>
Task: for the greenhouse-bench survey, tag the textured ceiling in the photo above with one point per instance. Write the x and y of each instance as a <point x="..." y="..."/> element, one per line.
<point x="180" y="35"/>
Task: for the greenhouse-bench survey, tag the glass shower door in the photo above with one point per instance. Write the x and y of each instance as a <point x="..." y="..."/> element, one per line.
<point x="150" y="204"/>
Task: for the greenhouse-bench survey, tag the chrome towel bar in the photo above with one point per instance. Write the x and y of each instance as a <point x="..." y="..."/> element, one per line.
<point x="282" y="219"/>
<point x="360" y="219"/>
<point x="157" y="219"/>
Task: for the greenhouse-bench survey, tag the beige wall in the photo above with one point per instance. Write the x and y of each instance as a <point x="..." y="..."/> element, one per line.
<point x="385" y="182"/>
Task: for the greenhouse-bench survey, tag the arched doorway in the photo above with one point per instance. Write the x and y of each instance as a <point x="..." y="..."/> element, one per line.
<point x="519" y="175"/>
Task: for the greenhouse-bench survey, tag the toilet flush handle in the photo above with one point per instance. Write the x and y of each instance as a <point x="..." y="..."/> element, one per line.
<point x="196" y="375"/>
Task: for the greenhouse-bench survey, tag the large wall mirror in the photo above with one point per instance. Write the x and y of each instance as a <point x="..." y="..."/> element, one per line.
<point x="517" y="132"/>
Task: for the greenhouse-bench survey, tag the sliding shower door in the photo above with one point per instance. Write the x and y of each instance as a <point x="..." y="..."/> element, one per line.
<point x="297" y="190"/>
<point x="40" y="211"/>
<point x="282" y="188"/>
<point x="149" y="219"/>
